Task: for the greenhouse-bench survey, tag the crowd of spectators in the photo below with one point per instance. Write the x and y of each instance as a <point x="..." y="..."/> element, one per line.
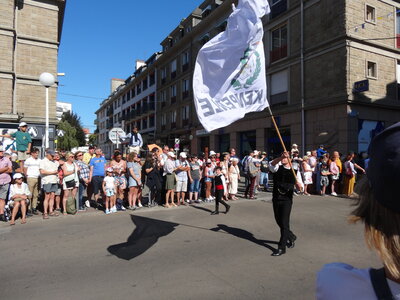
<point x="66" y="182"/>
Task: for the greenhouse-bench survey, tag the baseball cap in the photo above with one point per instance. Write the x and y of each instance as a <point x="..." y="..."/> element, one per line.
<point x="183" y="155"/>
<point x="172" y="154"/>
<point x="110" y="169"/>
<point x="50" y="152"/>
<point x="212" y="153"/>
<point x="17" y="175"/>
<point x="384" y="167"/>
<point x="209" y="161"/>
<point x="22" y="124"/>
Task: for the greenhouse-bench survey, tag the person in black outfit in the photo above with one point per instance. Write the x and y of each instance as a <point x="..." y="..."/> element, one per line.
<point x="219" y="182"/>
<point x="151" y="169"/>
<point x="282" y="199"/>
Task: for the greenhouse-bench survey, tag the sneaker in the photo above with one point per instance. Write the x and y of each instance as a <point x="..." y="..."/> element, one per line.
<point x="87" y="203"/>
<point x="123" y="208"/>
<point x="113" y="209"/>
<point x="197" y="201"/>
<point x="140" y="205"/>
<point x="334" y="194"/>
<point x="35" y="212"/>
<point x="108" y="212"/>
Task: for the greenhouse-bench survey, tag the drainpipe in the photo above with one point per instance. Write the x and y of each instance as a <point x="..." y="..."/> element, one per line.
<point x="303" y="136"/>
<point x="14" y="95"/>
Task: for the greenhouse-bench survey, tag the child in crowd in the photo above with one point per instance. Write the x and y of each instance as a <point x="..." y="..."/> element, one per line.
<point x="110" y="190"/>
<point x="324" y="175"/>
<point x="19" y="193"/>
<point x="220" y="184"/>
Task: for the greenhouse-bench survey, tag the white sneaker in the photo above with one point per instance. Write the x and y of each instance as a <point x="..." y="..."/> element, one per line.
<point x="87" y="203"/>
<point x="333" y="194"/>
<point x="123" y="208"/>
<point x="140" y="205"/>
<point x="113" y="209"/>
<point x="108" y="212"/>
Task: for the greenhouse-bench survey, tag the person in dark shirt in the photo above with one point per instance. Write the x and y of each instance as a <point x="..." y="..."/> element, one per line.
<point x="219" y="181"/>
<point x="282" y="199"/>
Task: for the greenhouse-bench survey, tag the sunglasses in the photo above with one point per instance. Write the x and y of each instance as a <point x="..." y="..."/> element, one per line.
<point x="80" y="154"/>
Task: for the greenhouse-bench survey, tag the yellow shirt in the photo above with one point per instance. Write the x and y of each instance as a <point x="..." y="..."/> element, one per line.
<point x="339" y="164"/>
<point x="87" y="157"/>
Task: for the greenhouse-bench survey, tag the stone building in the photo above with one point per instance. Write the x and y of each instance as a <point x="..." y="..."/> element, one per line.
<point x="30" y="34"/>
<point x="332" y="71"/>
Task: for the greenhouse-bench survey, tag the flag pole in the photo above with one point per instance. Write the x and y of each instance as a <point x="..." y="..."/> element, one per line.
<point x="280" y="138"/>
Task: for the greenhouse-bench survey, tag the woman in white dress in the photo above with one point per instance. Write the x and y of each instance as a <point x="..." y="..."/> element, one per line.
<point x="307" y="174"/>
<point x="234" y="177"/>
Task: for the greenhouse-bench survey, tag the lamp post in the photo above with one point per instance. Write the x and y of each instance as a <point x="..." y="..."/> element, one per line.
<point x="47" y="80"/>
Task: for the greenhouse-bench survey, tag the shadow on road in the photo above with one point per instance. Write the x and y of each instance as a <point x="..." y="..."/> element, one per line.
<point x="201" y="208"/>
<point x="244" y="234"/>
<point x="145" y="235"/>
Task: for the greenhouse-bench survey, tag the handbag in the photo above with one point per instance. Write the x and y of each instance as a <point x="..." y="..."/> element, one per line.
<point x="349" y="172"/>
<point x="71" y="208"/>
<point x="70" y="184"/>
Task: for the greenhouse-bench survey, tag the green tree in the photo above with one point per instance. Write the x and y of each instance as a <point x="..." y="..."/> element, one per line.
<point x="75" y="121"/>
<point x="68" y="140"/>
<point x="93" y="139"/>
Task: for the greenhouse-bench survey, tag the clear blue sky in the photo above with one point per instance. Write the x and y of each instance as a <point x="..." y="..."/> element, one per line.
<point x="102" y="39"/>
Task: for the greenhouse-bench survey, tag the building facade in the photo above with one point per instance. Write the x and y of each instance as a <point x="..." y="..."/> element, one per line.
<point x="30" y="34"/>
<point x="333" y="74"/>
<point x="131" y="104"/>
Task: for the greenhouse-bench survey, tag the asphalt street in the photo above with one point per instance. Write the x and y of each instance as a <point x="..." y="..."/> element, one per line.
<point x="179" y="253"/>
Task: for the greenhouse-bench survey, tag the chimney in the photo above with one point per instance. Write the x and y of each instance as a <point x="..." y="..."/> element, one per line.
<point x="115" y="83"/>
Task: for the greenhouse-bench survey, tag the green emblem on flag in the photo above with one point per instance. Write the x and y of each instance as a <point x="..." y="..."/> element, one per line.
<point x="249" y="71"/>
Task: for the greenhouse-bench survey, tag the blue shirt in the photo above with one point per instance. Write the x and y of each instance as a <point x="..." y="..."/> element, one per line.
<point x="98" y="165"/>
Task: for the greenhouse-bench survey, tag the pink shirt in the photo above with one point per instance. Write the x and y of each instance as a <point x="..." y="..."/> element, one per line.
<point x="5" y="177"/>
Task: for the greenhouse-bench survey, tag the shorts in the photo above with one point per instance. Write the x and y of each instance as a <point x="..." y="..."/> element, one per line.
<point x="170" y="182"/>
<point x="324" y="180"/>
<point x="195" y="186"/>
<point x="4" y="191"/>
<point x="22" y="155"/>
<point x="335" y="177"/>
<point x="50" y="187"/>
<point x="181" y="186"/>
<point x="109" y="192"/>
<point x="121" y="181"/>
<point x="135" y="149"/>
<point x="97" y="184"/>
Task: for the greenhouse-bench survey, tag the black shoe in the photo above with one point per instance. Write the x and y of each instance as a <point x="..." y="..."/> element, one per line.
<point x="228" y="207"/>
<point x="292" y="237"/>
<point x="3" y="218"/>
<point x="29" y="213"/>
<point x="35" y="212"/>
<point x="216" y="212"/>
<point x="290" y="244"/>
<point x="279" y="252"/>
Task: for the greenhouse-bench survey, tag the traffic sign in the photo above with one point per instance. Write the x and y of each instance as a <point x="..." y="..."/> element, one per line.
<point x="33" y="131"/>
<point x="116" y="134"/>
<point x="60" y="133"/>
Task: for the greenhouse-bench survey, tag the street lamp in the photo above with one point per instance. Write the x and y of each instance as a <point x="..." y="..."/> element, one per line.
<point x="47" y="80"/>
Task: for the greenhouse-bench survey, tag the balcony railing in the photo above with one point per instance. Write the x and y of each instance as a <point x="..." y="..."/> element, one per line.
<point x="278" y="53"/>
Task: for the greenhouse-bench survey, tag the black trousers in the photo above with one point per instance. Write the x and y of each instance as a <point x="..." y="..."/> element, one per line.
<point x="155" y="185"/>
<point x="282" y="210"/>
<point x="218" y="198"/>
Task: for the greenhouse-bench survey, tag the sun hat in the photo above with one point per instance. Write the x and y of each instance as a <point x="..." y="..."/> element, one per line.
<point x="18" y="175"/>
<point x="384" y="167"/>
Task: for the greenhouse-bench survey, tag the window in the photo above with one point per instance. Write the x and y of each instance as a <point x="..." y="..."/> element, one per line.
<point x="173" y="93"/>
<point x="185" y="115"/>
<point x="133" y="92"/>
<point x="144" y="84"/>
<point x="279" y="88"/>
<point x="163" y="75"/>
<point x="372" y="70"/>
<point x="163" y="98"/>
<point x="204" y="39"/>
<point x="138" y="89"/>
<point x="173" y="68"/>
<point x="173" y="119"/>
<point x="185" y="88"/>
<point x="152" y="79"/>
<point x="185" y="61"/>
<point x="151" y="121"/>
<point x="370" y="14"/>
<point x="278" y="7"/>
<point x="279" y="43"/>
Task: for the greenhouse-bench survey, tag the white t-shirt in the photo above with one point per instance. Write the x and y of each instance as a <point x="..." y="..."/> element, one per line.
<point x="49" y="166"/>
<point x="22" y="190"/>
<point x="344" y="282"/>
<point x="110" y="182"/>
<point x="32" y="166"/>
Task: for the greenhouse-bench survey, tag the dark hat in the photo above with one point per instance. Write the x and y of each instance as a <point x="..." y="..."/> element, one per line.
<point x="51" y="152"/>
<point x="384" y="167"/>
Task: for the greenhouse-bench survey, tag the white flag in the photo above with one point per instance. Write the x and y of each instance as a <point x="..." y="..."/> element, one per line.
<point x="229" y="77"/>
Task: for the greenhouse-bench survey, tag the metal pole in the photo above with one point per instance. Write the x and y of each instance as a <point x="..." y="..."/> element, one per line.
<point x="47" y="118"/>
<point x="303" y="129"/>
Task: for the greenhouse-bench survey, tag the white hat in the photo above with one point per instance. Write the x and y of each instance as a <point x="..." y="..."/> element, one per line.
<point x="14" y="154"/>
<point x="18" y="175"/>
<point x="212" y="153"/>
<point x="22" y="124"/>
<point x="294" y="145"/>
<point x="209" y="161"/>
<point x="183" y="155"/>
<point x="110" y="169"/>
<point x="172" y="154"/>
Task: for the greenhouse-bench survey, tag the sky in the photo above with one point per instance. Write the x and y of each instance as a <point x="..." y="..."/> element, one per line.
<point x="102" y="39"/>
